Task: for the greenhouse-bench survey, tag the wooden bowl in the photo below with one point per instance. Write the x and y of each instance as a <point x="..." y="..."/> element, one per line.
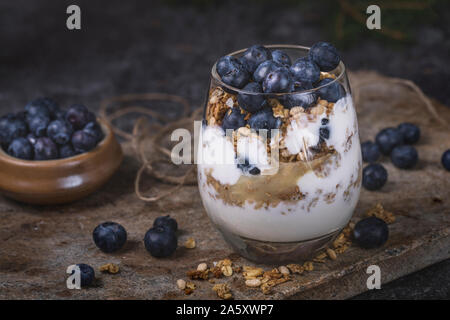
<point x="62" y="180"/>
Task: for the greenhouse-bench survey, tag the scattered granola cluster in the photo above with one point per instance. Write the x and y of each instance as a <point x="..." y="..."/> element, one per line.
<point x="266" y="280"/>
<point x="109" y="268"/>
<point x="379" y="212"/>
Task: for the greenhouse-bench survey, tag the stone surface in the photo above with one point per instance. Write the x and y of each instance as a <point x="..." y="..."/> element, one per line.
<point x="39" y="243"/>
<point x="133" y="46"/>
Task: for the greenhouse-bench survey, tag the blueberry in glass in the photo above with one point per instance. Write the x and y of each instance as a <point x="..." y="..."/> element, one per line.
<point x="280" y="196"/>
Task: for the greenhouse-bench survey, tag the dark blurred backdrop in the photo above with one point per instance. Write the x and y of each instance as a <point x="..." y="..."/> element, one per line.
<point x="170" y="46"/>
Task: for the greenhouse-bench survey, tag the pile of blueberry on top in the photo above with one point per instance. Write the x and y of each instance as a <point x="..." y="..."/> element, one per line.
<point x="260" y="70"/>
<point x="44" y="131"/>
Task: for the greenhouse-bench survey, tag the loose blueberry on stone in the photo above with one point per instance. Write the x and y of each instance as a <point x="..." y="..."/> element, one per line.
<point x="160" y="241"/>
<point x="404" y="157"/>
<point x="278" y="81"/>
<point x="410" y="132"/>
<point x="370" y="151"/>
<point x="45" y="149"/>
<point x="254" y="56"/>
<point x="166" y="221"/>
<point x="324" y="121"/>
<point x="38" y="124"/>
<point x="305" y="70"/>
<point x="281" y="57"/>
<point x="66" y="151"/>
<point x="325" y="55"/>
<point x="83" y="141"/>
<point x="109" y="236"/>
<point x="251" y="102"/>
<point x="264" y="120"/>
<point x="93" y="128"/>
<point x="331" y="91"/>
<point x="264" y="69"/>
<point x="374" y="176"/>
<point x="387" y="139"/>
<point x="78" y="116"/>
<point x="234" y="119"/>
<point x="21" y="148"/>
<point x="59" y="131"/>
<point x="445" y="160"/>
<point x="371" y="233"/>
<point x="87" y="274"/>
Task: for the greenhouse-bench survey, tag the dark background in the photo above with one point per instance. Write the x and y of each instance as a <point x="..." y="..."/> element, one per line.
<point x="170" y="46"/>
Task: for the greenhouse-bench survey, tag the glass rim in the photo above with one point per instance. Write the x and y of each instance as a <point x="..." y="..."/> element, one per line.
<point x="217" y="78"/>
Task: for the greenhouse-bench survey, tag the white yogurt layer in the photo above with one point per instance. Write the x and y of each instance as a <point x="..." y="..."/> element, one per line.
<point x="319" y="213"/>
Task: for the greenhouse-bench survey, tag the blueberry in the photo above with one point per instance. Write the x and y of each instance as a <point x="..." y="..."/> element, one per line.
<point x="324" y="121"/>
<point x="371" y="233"/>
<point x="325" y="56"/>
<point x="11" y="128"/>
<point x="251" y="102"/>
<point x="21" y="148"/>
<point x="246" y="167"/>
<point x="232" y="72"/>
<point x="387" y="139"/>
<point x="332" y="90"/>
<point x="374" y="176"/>
<point x="264" y="120"/>
<point x="264" y="69"/>
<point x="66" y="151"/>
<point x="83" y="141"/>
<point x="410" y="132"/>
<point x="59" y="131"/>
<point x="404" y="157"/>
<point x="254" y="56"/>
<point x="31" y="138"/>
<point x="305" y="70"/>
<point x="78" y="116"/>
<point x="281" y="57"/>
<point x="160" y="241"/>
<point x="225" y="64"/>
<point x="234" y="119"/>
<point x="446" y="159"/>
<point x="87" y="274"/>
<point x="301" y="99"/>
<point x="45" y="149"/>
<point x="370" y="151"/>
<point x="166" y="221"/>
<point x="324" y="133"/>
<point x="40" y="106"/>
<point x="59" y="115"/>
<point x="38" y="124"/>
<point x="109" y="236"/>
<point x="278" y="81"/>
<point x="94" y="129"/>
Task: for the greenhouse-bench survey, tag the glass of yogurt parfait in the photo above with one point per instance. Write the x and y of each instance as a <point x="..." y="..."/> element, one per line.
<point x="279" y="159"/>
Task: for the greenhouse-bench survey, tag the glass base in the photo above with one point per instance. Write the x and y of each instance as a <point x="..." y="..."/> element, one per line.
<point x="277" y="252"/>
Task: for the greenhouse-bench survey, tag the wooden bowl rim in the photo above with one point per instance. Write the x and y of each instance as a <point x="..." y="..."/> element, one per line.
<point x="107" y="140"/>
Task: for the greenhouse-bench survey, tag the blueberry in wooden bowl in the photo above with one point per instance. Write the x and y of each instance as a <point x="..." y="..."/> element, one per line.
<point x="52" y="156"/>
